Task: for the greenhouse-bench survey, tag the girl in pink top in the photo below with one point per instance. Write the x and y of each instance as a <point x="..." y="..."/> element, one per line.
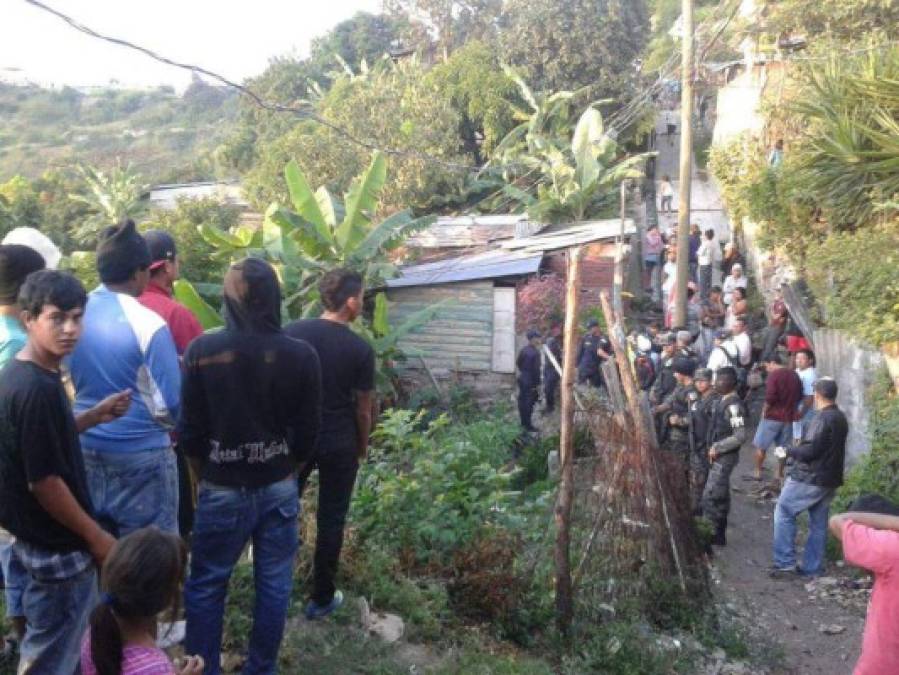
<point x="141" y="579"/>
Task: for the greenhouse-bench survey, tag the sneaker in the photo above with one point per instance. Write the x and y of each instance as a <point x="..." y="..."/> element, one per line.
<point x="315" y="611"/>
<point x="783" y="573"/>
<point x="809" y="575"/>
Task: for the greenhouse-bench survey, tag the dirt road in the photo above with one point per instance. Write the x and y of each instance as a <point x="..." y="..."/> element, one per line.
<point x="818" y="626"/>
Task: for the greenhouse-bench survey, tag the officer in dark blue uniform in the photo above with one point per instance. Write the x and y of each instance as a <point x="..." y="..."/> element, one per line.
<point x="593" y="350"/>
<point x="528" y="363"/>
<point x="551" y="376"/>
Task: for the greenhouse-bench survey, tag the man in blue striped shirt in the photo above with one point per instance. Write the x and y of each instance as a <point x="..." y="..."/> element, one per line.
<point x="130" y="464"/>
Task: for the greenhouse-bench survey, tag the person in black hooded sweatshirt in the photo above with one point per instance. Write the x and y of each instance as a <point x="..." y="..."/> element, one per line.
<point x="251" y="409"/>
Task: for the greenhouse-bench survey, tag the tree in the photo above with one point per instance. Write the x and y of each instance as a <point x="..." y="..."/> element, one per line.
<point x="451" y="22"/>
<point x="562" y="46"/>
<point x="392" y="105"/>
<point x="320" y="233"/>
<point x="576" y="171"/>
<point x="481" y="94"/>
<point x="364" y="37"/>
<point x="841" y="21"/>
<point x="109" y="197"/>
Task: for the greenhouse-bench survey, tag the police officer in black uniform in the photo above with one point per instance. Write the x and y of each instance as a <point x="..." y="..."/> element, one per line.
<point x="676" y="409"/>
<point x="727" y="433"/>
<point x="528" y="363"/>
<point x="593" y="350"/>
<point x="664" y="384"/>
<point x="700" y="421"/>
<point x="551" y="376"/>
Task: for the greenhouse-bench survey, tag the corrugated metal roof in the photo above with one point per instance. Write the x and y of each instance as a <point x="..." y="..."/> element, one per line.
<point x="467" y="231"/>
<point x="565" y="236"/>
<point x="490" y="265"/>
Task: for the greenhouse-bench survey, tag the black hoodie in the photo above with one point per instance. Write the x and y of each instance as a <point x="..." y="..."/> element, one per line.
<point x="251" y="395"/>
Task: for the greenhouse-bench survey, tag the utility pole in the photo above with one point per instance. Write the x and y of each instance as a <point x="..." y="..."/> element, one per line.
<point x="686" y="158"/>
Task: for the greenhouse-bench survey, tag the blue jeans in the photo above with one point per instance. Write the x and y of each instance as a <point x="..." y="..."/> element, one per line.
<point x="772" y="432"/>
<point x="131" y="490"/>
<point x="58" y="612"/>
<point x="15" y="576"/>
<point x="225" y="520"/>
<point x="795" y="498"/>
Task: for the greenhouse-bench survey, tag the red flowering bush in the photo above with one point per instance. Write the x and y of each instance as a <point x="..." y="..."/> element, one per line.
<point x="541" y="303"/>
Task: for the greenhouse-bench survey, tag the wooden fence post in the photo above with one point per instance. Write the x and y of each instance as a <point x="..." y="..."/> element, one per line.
<point x="562" y="513"/>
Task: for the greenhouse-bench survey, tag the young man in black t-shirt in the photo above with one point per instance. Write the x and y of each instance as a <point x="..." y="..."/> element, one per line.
<point x="44" y="501"/>
<point x="251" y="405"/>
<point x="348" y="371"/>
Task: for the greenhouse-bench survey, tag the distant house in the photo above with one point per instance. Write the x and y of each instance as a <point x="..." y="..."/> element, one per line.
<point x="473" y="336"/>
<point x="166" y="197"/>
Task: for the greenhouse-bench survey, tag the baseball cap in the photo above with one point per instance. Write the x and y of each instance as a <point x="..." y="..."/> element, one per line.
<point x="162" y="247"/>
<point x="703" y="374"/>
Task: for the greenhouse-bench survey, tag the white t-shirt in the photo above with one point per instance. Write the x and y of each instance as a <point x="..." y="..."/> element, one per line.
<point x="808" y="377"/>
<point x="730" y="283"/>
<point x="718" y="358"/>
<point x="666" y="189"/>
<point x="670" y="272"/>
<point x="744" y="348"/>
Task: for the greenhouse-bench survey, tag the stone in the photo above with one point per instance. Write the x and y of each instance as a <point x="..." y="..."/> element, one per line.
<point x="832" y="629"/>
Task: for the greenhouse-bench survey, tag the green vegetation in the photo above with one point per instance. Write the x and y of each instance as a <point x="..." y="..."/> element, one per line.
<point x="832" y="199"/>
<point x="877" y="472"/>
<point x="165" y="137"/>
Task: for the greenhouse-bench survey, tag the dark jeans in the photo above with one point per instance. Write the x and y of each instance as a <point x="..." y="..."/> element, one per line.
<point x="185" y="497"/>
<point x="550" y="389"/>
<point x="527" y="397"/>
<point x="226" y="520"/>
<point x="337" y="463"/>
<point x="705" y="281"/>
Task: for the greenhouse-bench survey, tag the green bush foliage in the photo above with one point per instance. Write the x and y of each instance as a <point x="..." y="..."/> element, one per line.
<point x="877" y="472"/>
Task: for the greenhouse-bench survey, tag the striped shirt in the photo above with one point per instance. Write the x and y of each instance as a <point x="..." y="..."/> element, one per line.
<point x="136" y="660"/>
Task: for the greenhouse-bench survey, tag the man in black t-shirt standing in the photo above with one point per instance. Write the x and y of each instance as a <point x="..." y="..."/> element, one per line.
<point x="348" y="372"/>
<point x="44" y="500"/>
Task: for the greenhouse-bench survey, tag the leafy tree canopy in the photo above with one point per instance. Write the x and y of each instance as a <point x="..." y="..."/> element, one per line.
<point x="392" y="106"/>
<point x="561" y="46"/>
<point x="845" y="21"/>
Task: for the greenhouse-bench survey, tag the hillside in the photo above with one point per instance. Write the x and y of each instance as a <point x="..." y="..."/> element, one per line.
<point x="163" y="136"/>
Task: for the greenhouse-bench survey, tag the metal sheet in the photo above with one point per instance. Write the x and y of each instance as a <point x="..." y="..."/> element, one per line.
<point x="491" y="265"/>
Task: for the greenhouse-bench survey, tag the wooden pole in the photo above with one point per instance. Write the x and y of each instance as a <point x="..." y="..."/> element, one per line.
<point x="618" y="278"/>
<point x="562" y="513"/>
<point x="686" y="159"/>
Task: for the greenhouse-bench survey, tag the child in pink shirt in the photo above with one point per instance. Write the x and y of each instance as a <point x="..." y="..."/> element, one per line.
<point x="871" y="541"/>
<point x="142" y="578"/>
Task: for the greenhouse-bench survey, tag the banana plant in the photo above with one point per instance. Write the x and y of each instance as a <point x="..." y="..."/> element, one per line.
<point x="555" y="172"/>
<point x="317" y="233"/>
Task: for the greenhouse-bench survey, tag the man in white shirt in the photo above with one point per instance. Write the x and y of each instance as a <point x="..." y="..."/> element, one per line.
<point x="724" y="352"/>
<point x="805" y="369"/>
<point x="742" y="341"/>
<point x="735" y="279"/>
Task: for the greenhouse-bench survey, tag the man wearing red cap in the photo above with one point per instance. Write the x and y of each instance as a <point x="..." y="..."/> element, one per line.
<point x="158" y="293"/>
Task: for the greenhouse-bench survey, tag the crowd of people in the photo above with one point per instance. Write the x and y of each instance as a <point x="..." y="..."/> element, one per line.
<point x="139" y="453"/>
<point x="701" y="381"/>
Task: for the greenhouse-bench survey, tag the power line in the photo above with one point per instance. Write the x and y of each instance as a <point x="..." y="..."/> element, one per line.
<point x="305" y="111"/>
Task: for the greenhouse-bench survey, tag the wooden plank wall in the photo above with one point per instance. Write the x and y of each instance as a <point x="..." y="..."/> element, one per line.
<point x="460" y="336"/>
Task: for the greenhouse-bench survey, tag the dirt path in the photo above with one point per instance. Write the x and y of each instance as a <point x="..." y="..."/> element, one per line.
<point x="789" y="613"/>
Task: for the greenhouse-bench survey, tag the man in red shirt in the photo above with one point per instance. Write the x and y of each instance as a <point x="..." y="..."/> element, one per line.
<point x="184" y="327"/>
<point x="871" y="541"/>
<point x="783" y="392"/>
<point x="158" y="294"/>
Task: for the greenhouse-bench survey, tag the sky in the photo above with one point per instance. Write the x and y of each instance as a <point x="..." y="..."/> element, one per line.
<point x="235" y="38"/>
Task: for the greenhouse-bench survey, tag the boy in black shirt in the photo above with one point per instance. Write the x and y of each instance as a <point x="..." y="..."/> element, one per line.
<point x="251" y="405"/>
<point x="348" y="371"/>
<point x="44" y="500"/>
